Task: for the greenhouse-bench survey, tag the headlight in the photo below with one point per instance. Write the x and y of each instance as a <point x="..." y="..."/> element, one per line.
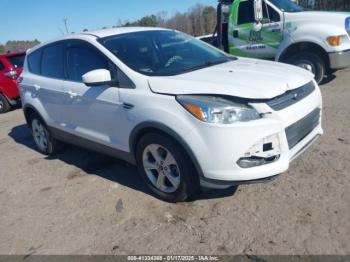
<point x="347" y="25"/>
<point x="212" y="109"/>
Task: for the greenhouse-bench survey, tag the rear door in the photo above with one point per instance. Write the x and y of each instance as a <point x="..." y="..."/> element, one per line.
<point x="95" y="112"/>
<point x="248" y="40"/>
<point x="3" y="78"/>
<point x="45" y="82"/>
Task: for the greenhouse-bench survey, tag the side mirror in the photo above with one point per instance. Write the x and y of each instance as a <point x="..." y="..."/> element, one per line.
<point x="97" y="77"/>
<point x="258" y="11"/>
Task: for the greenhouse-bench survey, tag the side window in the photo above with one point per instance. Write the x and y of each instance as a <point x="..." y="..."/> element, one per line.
<point x="271" y="14"/>
<point x="246" y="12"/>
<point x="82" y="59"/>
<point x="52" y="64"/>
<point x="2" y="67"/>
<point x="34" y="61"/>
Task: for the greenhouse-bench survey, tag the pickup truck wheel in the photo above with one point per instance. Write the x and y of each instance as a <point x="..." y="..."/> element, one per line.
<point x="43" y="139"/>
<point x="4" y="104"/>
<point x="311" y="62"/>
<point x="164" y="167"/>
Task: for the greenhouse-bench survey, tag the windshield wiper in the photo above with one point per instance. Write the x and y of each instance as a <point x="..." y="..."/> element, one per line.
<point x="205" y="65"/>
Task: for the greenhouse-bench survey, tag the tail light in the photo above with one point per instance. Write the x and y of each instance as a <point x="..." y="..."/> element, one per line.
<point x="12" y="74"/>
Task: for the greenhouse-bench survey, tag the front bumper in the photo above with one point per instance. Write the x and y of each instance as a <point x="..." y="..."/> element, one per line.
<point x="220" y="148"/>
<point x="339" y="60"/>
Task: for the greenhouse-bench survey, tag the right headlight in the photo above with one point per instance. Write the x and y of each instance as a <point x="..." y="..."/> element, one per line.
<point x="213" y="109"/>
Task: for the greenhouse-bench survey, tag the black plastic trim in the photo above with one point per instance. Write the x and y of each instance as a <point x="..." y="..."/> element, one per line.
<point x="238" y="183"/>
<point x="94" y="146"/>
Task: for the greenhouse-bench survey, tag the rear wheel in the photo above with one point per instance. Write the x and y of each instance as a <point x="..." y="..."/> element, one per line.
<point x="165" y="167"/>
<point x="311" y="62"/>
<point x="44" y="141"/>
<point x="4" y="104"/>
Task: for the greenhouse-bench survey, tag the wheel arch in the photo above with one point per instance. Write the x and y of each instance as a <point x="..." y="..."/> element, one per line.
<point x="154" y="127"/>
<point x="304" y="46"/>
<point x="28" y="110"/>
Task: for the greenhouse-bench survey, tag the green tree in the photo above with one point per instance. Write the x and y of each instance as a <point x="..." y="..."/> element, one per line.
<point x="2" y="49"/>
<point x="149" y="21"/>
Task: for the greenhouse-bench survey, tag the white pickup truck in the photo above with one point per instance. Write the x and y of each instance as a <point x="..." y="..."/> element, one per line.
<point x="281" y="30"/>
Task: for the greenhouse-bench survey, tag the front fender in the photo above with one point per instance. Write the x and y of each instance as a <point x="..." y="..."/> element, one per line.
<point x="311" y="33"/>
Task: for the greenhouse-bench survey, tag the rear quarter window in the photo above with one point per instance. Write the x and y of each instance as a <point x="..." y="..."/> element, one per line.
<point x="34" y="62"/>
<point x="2" y="67"/>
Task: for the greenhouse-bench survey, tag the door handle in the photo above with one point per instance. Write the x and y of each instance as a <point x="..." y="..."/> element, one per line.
<point x="36" y="87"/>
<point x="72" y="94"/>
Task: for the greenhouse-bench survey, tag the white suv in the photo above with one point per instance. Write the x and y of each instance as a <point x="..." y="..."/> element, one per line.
<point x="186" y="113"/>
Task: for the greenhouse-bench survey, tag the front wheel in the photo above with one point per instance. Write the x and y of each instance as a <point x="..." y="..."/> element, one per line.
<point x="311" y="62"/>
<point x="165" y="168"/>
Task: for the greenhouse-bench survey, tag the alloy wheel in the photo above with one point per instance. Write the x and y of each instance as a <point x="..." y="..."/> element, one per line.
<point x="161" y="168"/>
<point x="40" y="134"/>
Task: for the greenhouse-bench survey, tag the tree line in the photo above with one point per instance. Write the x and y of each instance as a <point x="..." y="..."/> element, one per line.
<point x="14" y="46"/>
<point x="198" y="20"/>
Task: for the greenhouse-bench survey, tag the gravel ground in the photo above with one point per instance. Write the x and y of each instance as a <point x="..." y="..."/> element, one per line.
<point x="81" y="202"/>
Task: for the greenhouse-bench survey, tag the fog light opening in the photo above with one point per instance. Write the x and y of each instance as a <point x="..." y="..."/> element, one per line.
<point x="254" y="161"/>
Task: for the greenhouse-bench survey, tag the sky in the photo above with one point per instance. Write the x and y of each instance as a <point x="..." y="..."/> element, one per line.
<point x="43" y="19"/>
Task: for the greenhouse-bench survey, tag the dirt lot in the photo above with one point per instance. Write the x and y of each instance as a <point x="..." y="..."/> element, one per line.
<point x="86" y="203"/>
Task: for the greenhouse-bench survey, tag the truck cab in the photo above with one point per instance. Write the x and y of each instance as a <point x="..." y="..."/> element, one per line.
<point x="281" y="30"/>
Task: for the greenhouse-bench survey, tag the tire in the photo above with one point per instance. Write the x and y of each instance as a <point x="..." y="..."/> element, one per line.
<point x="310" y="61"/>
<point x="166" y="168"/>
<point x="4" y="104"/>
<point x="43" y="139"/>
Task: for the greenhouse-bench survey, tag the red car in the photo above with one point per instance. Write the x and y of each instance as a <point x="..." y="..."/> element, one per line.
<point x="10" y="68"/>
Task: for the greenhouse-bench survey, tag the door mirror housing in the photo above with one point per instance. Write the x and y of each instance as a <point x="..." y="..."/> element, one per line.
<point x="97" y="77"/>
<point x="258" y="10"/>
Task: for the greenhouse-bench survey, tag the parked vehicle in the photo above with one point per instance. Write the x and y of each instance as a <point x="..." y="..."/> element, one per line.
<point x="281" y="30"/>
<point x="10" y="68"/>
<point x="186" y="113"/>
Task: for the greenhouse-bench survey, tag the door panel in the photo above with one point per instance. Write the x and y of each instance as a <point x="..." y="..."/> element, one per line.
<point x="48" y="87"/>
<point x="94" y="112"/>
<point x="249" y="40"/>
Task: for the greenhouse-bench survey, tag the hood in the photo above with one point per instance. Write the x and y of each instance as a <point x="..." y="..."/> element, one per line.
<point x="321" y="17"/>
<point x="244" y="78"/>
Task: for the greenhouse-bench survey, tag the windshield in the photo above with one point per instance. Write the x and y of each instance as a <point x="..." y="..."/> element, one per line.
<point x="162" y="53"/>
<point x="287" y="6"/>
<point x="17" y="61"/>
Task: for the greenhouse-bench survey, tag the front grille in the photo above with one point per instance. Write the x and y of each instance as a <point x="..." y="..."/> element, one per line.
<point x="301" y="129"/>
<point x="291" y="97"/>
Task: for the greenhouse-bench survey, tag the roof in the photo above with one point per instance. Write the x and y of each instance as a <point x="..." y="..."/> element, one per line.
<point x="119" y="30"/>
<point x="99" y="34"/>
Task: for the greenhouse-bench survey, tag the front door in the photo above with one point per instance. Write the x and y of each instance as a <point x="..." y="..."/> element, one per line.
<point x="247" y="38"/>
<point x="95" y="112"/>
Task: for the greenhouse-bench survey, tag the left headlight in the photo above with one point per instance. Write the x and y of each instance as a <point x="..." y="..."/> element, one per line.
<point x="212" y="109"/>
<point x="347" y="25"/>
